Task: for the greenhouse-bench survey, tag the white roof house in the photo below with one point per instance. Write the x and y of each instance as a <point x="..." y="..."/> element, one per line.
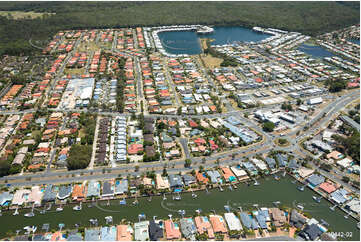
<point x="314" y="101"/>
<point x="346" y="162"/>
<point x="233" y="222"/>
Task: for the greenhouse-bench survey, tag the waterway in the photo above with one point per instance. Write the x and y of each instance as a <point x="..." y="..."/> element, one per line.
<point x="315" y="51"/>
<point x="188" y="42"/>
<point x="245" y="196"/>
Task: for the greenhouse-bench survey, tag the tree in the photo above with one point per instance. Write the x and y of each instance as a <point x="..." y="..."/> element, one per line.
<point x="299" y="102"/>
<point x="268" y="126"/>
<point x="187" y="163"/>
<point x="79" y="157"/>
<point x="346" y="179"/>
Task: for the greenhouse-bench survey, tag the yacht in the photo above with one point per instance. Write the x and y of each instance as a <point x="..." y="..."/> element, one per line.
<point x="317" y="199"/>
<point x="29" y="215"/>
<point x="77" y="207"/>
<point x="164" y="197"/>
<point x="135" y="202"/>
<point x="256" y="183"/>
<point x="194" y="195"/>
<point x="301" y="188"/>
<point x="42" y="211"/>
<point x="59" y="209"/>
<point x="299" y="206"/>
<point x="277" y="178"/>
<point x="177" y="197"/>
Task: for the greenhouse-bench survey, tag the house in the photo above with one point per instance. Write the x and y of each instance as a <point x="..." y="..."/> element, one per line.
<point x="353" y="205"/>
<point x="233" y="222"/>
<point x="239" y="173"/>
<point x="155" y="230"/>
<point x="297" y="220"/>
<point x="189" y="179"/>
<point x="204" y="226"/>
<point x="202" y="178"/>
<point x="64" y="191"/>
<point x="214" y="176"/>
<point x="78" y="192"/>
<point x="108" y="233"/>
<point x="188" y="228"/>
<point x="175" y="181"/>
<point x="218" y="224"/>
<point x="314" y="180"/>
<point x="278" y="217"/>
<point x="248" y="221"/>
<point x="340" y="196"/>
<point x="5" y="198"/>
<point x="124" y="232"/>
<point x="49" y="194"/>
<point x="108" y="188"/>
<point x="328" y="187"/>
<point x="310" y="232"/>
<point x="93" y="189"/>
<point x="270" y="162"/>
<point x="35" y="196"/>
<point x="262" y="217"/>
<point x="162" y="182"/>
<point x="141" y="232"/>
<point x="344" y="163"/>
<point x="172" y="230"/>
<point x="92" y="234"/>
<point x="228" y="175"/>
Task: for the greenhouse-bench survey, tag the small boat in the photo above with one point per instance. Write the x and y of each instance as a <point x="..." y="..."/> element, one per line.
<point x="277" y="178"/>
<point x="284" y="174"/>
<point x="42" y="211"/>
<point x="135" y="202"/>
<point x="256" y="183"/>
<point x="182" y="212"/>
<point x="346" y="216"/>
<point x="227" y="208"/>
<point x="90" y="205"/>
<point x="230" y="188"/>
<point x="358" y="225"/>
<point x="164" y="197"/>
<point x="194" y="195"/>
<point x="16" y="212"/>
<point x="198" y="210"/>
<point x="59" y="209"/>
<point x="235" y="186"/>
<point x="77" y="208"/>
<point x="301" y="188"/>
<point x="324" y="223"/>
<point x="29" y="215"/>
<point x="220" y="188"/>
<point x="317" y="199"/>
<point x="177" y="197"/>
<point x="299" y="206"/>
<point x="123" y="202"/>
<point x="333" y="207"/>
<point x="108" y="219"/>
<point x="149" y="199"/>
<point x="49" y="207"/>
<point x="293" y="182"/>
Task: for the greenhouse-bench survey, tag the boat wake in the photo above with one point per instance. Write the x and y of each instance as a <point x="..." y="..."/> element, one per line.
<point x="106" y="210"/>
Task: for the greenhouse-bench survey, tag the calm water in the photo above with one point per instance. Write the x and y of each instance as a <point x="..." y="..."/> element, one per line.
<point x="245" y="196"/>
<point x="187" y="42"/>
<point x="315" y="51"/>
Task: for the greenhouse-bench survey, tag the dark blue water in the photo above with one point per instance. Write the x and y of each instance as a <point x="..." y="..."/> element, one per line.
<point x="355" y="41"/>
<point x="315" y="51"/>
<point x="187" y="42"/>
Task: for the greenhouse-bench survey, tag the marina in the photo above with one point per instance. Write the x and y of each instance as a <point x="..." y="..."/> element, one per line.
<point x="269" y="193"/>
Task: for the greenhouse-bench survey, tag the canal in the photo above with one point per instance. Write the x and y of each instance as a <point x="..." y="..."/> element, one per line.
<point x="315" y="51"/>
<point x="245" y="196"/>
<point x="188" y="42"/>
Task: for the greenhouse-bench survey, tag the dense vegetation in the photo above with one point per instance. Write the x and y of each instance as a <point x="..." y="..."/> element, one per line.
<point x="308" y="17"/>
<point x="350" y="144"/>
<point x="79" y="157"/>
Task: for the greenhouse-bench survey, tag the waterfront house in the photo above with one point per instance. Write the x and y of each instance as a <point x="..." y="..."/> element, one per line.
<point x="108" y="233"/>
<point x="340" y="196"/>
<point x="175" y="181"/>
<point x="141" y="232"/>
<point x="188" y="228"/>
<point x="228" y="175"/>
<point x="73" y="236"/>
<point x="310" y="232"/>
<point x="155" y="230"/>
<point x="314" y="180"/>
<point x="108" y="188"/>
<point x="202" y="178"/>
<point x="189" y="179"/>
<point x="204" y="226"/>
<point x="262" y="216"/>
<point x="124" y="232"/>
<point x="121" y="187"/>
<point x="162" y="182"/>
<point x="5" y="198"/>
<point x="93" y="189"/>
<point x="252" y="170"/>
<point x="78" y="193"/>
<point x="278" y="217"/>
<point x="233" y="222"/>
<point x="353" y="205"/>
<point x="35" y="196"/>
<point x="282" y="160"/>
<point x="49" y="194"/>
<point x="239" y="173"/>
<point x="271" y="163"/>
<point x="218" y="224"/>
<point x="260" y="165"/>
<point x="248" y="221"/>
<point x="172" y="230"/>
<point x="214" y="176"/>
<point x="328" y="187"/>
<point x="297" y="220"/>
<point x="92" y="234"/>
<point x="64" y="191"/>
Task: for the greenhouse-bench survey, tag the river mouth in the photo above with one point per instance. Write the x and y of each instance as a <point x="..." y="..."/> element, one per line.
<point x="244" y="197"/>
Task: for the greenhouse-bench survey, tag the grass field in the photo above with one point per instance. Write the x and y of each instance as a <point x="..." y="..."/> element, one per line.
<point x="21" y="15"/>
<point x="75" y="71"/>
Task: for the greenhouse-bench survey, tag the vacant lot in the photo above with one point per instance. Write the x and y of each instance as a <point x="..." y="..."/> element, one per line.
<point x="20" y="15"/>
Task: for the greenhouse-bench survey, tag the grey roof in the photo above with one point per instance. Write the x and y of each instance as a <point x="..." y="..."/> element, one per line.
<point x="65" y="191"/>
<point x="282" y="160"/>
<point x="270" y="162"/>
<point x="92" y="234"/>
<point x="339" y="196"/>
<point x="49" y="193"/>
<point x="175" y="180"/>
<point x="5" y="197"/>
<point x="214" y="175"/>
<point x="246" y="220"/>
<point x="315" y="179"/>
<point x="297" y="219"/>
<point x="351" y="122"/>
<point x="188" y="228"/>
<point x="293" y="164"/>
<point x="313" y="231"/>
<point x="108" y="188"/>
<point x="249" y="166"/>
<point x="39" y="237"/>
<point x="108" y="233"/>
<point x="75" y="237"/>
<point x="155" y="231"/>
<point x="121" y="186"/>
<point x="261" y="218"/>
<point x="188" y="179"/>
<point x="93" y="189"/>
